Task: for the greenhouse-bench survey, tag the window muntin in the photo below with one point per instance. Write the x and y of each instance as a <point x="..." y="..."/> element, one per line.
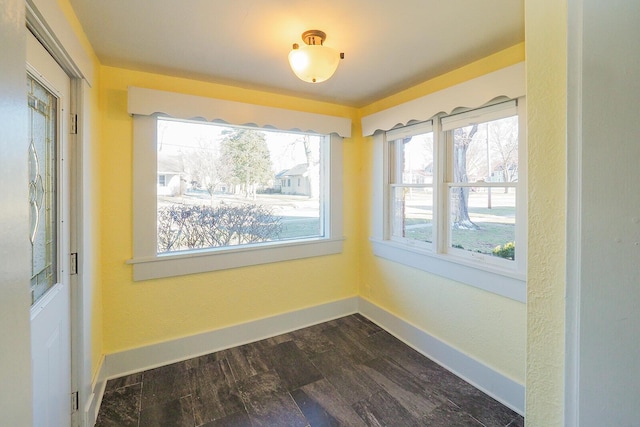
<point x="230" y="186"/>
<point x="473" y="189"/>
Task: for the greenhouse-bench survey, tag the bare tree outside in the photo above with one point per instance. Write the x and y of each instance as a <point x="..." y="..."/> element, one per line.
<point x="203" y="166"/>
<point x="483" y="158"/>
<point x="482" y="219"/>
<point x="462" y="139"/>
<point x="503" y="135"/>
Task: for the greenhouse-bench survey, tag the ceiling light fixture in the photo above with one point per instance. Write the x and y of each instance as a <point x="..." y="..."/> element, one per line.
<point x="314" y="62"/>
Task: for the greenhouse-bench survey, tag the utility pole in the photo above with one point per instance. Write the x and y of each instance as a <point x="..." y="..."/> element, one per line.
<point x="488" y="169"/>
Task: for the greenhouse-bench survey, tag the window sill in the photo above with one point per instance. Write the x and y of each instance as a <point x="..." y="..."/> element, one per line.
<point x="489" y="278"/>
<point x="179" y="264"/>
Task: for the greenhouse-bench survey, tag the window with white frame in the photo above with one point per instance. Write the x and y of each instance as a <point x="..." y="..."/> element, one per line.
<point x="225" y="191"/>
<point x="454" y="200"/>
<point x="225" y="199"/>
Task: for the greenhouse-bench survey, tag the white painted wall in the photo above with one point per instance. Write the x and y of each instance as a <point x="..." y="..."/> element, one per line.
<point x="15" y="360"/>
<point x="603" y="322"/>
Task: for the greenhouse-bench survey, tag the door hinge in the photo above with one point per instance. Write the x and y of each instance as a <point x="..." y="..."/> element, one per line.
<point x="74" y="401"/>
<point x="74" y="124"/>
<point x="74" y="263"/>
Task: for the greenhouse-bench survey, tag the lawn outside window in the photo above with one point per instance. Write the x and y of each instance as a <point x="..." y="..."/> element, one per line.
<point x="210" y="195"/>
<point x="454" y="196"/>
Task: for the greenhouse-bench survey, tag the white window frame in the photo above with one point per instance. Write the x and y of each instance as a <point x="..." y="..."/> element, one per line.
<point x="505" y="278"/>
<point x="147" y="263"/>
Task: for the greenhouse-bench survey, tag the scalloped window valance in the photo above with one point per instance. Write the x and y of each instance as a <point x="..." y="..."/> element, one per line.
<point x="509" y="82"/>
<point x="147" y="102"/>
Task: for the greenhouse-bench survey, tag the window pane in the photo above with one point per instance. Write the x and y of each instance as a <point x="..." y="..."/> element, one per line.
<point x="222" y="186"/>
<point x="483" y="220"/>
<point x="42" y="188"/>
<point x="486" y="151"/>
<point x="412" y="213"/>
<point x="416" y="161"/>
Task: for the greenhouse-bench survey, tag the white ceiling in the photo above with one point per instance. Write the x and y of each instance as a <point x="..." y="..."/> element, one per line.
<point x="389" y="45"/>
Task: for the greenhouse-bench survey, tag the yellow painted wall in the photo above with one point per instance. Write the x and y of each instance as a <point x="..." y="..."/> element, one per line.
<point x="546" y="51"/>
<point x="486" y="65"/>
<point x="146" y="312"/>
<point x="488" y="327"/>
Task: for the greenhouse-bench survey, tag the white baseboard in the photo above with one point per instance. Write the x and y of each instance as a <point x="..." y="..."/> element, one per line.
<point x="496" y="385"/>
<point x="91" y="410"/>
<point x="503" y="389"/>
<point x="151" y="356"/>
<point x="92" y="404"/>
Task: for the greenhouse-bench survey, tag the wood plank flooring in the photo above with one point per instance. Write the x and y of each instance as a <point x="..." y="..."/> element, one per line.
<point x="346" y="372"/>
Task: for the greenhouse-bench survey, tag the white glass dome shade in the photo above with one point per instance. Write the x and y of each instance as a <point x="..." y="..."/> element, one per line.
<point x="314" y="62"/>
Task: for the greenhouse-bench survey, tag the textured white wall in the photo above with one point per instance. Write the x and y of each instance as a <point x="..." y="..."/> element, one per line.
<point x="15" y="360"/>
<point x="606" y="280"/>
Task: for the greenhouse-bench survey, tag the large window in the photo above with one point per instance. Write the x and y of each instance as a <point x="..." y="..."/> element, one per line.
<point x="222" y="186"/>
<point x="454" y="198"/>
<point x="241" y="185"/>
<point x="210" y="197"/>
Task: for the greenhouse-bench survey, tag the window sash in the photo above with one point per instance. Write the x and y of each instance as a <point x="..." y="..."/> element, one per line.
<point x="410" y="130"/>
<point x="449" y="124"/>
<point x="512" y="184"/>
<point x="475" y="252"/>
<point x="480" y="115"/>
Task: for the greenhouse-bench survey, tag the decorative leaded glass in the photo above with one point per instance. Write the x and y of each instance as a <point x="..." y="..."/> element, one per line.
<point x="42" y="187"/>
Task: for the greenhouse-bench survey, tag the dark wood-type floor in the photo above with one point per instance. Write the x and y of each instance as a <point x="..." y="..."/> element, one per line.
<point x="346" y="372"/>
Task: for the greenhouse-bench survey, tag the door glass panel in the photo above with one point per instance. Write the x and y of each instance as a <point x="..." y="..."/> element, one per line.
<point x="42" y="187"/>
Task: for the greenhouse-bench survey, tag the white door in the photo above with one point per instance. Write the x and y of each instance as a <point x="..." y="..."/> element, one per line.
<point x="48" y="89"/>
